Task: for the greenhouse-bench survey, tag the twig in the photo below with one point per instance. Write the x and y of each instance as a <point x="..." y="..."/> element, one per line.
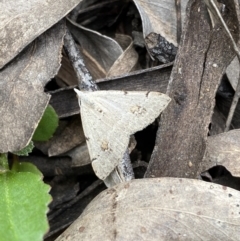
<point x="126" y="167"/>
<point x="214" y="10"/>
<point x="85" y="82"/>
<point x="179" y="20"/>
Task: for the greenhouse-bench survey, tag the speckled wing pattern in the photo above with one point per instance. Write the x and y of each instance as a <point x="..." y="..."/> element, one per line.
<point x="110" y="117"/>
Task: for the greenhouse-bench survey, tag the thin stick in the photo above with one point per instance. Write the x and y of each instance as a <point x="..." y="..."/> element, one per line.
<point x="214" y="9"/>
<point x="85" y="80"/>
<point x="125" y="167"/>
<point x="179" y="20"/>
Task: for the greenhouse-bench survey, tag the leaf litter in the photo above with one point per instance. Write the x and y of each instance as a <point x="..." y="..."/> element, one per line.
<point x="111" y="62"/>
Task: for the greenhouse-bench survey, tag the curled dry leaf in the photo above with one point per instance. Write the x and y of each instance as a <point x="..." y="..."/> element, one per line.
<point x="96" y="70"/>
<point x="127" y="61"/>
<point x="22" y="83"/>
<point x="223" y="149"/>
<point x="21" y="22"/>
<point x="160" y="209"/>
<point x="160" y="17"/>
<point x="103" y="49"/>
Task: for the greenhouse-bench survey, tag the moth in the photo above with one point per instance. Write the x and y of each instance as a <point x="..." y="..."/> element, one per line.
<point x="110" y="117"/>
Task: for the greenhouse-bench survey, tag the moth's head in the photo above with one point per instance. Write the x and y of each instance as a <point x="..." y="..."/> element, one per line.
<point x="83" y="97"/>
<point x="80" y="95"/>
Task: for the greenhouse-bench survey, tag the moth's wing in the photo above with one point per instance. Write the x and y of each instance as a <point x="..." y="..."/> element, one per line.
<point x="134" y="110"/>
<point x="105" y="139"/>
<point x="110" y="117"/>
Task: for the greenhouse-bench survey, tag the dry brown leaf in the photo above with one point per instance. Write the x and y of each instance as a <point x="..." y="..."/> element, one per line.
<point x="21" y="22"/>
<point x="68" y="135"/>
<point x="160" y="17"/>
<point x="43" y="146"/>
<point x="96" y="70"/>
<point x="69" y="138"/>
<point x="127" y="61"/>
<point x="160" y="209"/>
<point x="80" y="156"/>
<point x="102" y="48"/>
<point x="23" y="101"/>
<point x="223" y="149"/>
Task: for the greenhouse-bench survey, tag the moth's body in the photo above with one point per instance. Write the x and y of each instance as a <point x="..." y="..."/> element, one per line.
<point x="110" y="117"/>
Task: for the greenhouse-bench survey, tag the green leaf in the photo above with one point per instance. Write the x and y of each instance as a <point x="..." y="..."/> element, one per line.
<point x="28" y="167"/>
<point x="24" y="203"/>
<point x="26" y="150"/>
<point x="47" y="125"/>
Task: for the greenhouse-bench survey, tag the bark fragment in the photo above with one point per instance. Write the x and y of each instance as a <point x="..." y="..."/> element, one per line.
<point x="202" y="58"/>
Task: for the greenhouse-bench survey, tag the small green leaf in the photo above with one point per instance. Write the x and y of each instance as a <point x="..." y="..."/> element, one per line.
<point x="26" y="150"/>
<point x="28" y="167"/>
<point x="24" y="203"/>
<point x="47" y="125"/>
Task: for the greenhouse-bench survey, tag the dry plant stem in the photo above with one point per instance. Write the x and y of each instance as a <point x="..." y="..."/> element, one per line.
<point x="85" y="82"/>
<point x="214" y="9"/>
<point x="179" y="20"/>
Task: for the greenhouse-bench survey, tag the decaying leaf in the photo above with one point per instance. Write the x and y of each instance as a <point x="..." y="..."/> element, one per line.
<point x="96" y="70"/>
<point x="223" y="149"/>
<point x="22" y="100"/>
<point x="160" y="209"/>
<point x="159" y="48"/>
<point x="110" y="117"/>
<point x="80" y="155"/>
<point x="103" y="49"/>
<point x="160" y="17"/>
<point x="127" y="61"/>
<point x="21" y="22"/>
<point x="71" y="136"/>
